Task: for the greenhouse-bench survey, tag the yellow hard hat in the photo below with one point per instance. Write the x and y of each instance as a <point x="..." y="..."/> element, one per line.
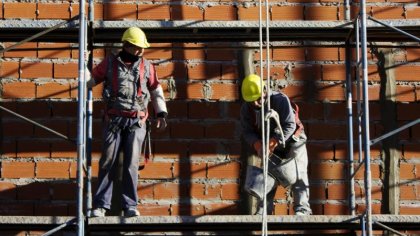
<point x="136" y="37"/>
<point x="251" y="88"/>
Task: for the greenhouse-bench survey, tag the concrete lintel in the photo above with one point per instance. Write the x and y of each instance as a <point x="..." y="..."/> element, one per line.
<point x="44" y="220"/>
<point x="206" y="31"/>
<point x="222" y="219"/>
<point x="209" y="223"/>
<point x="38" y="220"/>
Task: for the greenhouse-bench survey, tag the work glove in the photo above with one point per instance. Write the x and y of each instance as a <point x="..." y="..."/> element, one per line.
<point x="161" y="124"/>
<point x="258" y="147"/>
<point x="272" y="144"/>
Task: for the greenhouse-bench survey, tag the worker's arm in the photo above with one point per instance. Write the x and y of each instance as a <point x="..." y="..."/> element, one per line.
<point x="90" y="82"/>
<point x="158" y="99"/>
<point x="281" y="103"/>
<point x="98" y="74"/>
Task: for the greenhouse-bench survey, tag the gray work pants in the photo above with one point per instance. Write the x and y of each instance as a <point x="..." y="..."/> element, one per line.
<point x="120" y="134"/>
<point x="300" y="189"/>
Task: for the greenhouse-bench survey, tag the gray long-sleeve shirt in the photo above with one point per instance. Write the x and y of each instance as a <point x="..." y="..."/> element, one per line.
<point x="251" y="119"/>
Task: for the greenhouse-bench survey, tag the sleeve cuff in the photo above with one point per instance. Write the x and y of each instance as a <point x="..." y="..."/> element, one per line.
<point x="162" y="114"/>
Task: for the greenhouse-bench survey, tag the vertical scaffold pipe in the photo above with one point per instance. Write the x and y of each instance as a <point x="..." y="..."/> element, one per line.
<point x="350" y="158"/>
<point x="366" y="136"/>
<point x="89" y="114"/>
<point x="81" y="149"/>
<point x="358" y="97"/>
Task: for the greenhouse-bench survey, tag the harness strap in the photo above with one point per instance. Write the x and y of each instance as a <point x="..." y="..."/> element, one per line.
<point x="114" y="77"/>
<point x="299" y="124"/>
<point x="128" y="114"/>
<point x="141" y="71"/>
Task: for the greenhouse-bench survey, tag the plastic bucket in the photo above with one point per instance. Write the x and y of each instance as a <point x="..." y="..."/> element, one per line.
<point x="284" y="170"/>
<point x="254" y="182"/>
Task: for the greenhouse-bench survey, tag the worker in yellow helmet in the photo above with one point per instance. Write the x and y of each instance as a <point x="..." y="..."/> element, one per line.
<point x="130" y="83"/>
<point x="287" y="159"/>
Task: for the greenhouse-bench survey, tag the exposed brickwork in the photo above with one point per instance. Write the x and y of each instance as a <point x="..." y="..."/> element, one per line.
<point x="46" y="170"/>
<point x="222" y="12"/>
<point x="289" y="54"/>
<point x="13" y="170"/>
<point x="29" y="53"/>
<point x="98" y="8"/>
<point x="19" y="90"/>
<point x="204" y="71"/>
<point x="153" y="12"/>
<point x="250" y="13"/>
<point x="117" y="11"/>
<point x="32" y="70"/>
<point x="407" y="73"/>
<point x="53" y="11"/>
<point x="52" y="90"/>
<point x="287" y="13"/>
<point x="412" y="12"/>
<point x="322" y="54"/>
<point x="9" y="69"/>
<point x="55" y="50"/>
<point x="387" y="12"/>
<point x="186" y="12"/>
<point x="66" y="70"/>
<point x="23" y="10"/>
<point x="321" y="13"/>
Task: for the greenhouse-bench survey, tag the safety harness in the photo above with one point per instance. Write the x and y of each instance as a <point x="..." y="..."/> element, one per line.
<point x="133" y="104"/>
<point x="139" y="98"/>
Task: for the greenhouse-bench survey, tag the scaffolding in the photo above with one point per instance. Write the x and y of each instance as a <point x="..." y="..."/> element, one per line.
<point x="348" y="31"/>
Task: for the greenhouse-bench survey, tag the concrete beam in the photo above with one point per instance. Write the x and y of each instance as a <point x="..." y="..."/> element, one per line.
<point x="199" y="31"/>
<point x="211" y="223"/>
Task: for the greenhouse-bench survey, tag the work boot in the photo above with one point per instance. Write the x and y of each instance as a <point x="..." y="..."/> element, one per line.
<point x="259" y="211"/>
<point x="98" y="212"/>
<point x="131" y="212"/>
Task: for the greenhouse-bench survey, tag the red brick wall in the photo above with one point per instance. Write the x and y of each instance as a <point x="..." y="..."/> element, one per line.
<point x="196" y="164"/>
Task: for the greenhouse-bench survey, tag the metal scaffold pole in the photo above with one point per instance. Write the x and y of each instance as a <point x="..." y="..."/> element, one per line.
<point x="81" y="127"/>
<point x="365" y="120"/>
<point x="351" y="199"/>
<point x="89" y="114"/>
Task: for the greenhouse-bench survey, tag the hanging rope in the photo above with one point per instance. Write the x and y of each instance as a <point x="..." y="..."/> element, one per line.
<point x="264" y="135"/>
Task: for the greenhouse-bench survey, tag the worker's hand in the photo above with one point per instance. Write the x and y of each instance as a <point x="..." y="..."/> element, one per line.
<point x="258" y="147"/>
<point x="161" y="124"/>
<point x="272" y="144"/>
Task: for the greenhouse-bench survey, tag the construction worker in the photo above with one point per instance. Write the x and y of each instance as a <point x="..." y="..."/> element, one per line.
<point x="130" y="82"/>
<point x="288" y="160"/>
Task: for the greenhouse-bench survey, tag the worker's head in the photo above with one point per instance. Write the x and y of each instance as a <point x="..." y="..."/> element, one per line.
<point x="251" y="89"/>
<point x="134" y="41"/>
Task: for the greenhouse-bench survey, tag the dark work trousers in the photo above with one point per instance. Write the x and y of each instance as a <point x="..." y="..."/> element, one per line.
<point x="127" y="135"/>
